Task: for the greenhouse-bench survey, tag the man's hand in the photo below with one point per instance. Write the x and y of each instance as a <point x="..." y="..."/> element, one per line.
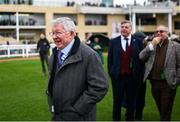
<point x="156" y="41"/>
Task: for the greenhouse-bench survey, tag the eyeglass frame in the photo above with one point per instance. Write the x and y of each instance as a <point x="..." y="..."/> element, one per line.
<point x="57" y="34"/>
<point x="160" y="31"/>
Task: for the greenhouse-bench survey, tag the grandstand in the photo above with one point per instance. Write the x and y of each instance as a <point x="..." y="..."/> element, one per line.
<point x="31" y="17"/>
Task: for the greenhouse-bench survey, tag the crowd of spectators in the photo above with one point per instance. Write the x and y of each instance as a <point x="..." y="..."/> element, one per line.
<point x="94" y="22"/>
<point x="69" y="4"/>
<point x="72" y="3"/>
<point x="90" y="4"/>
<point x="7" y="22"/>
<point x="26" y="2"/>
<point x="30" y="21"/>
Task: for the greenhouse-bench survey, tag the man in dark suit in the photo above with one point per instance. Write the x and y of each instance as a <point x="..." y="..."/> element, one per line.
<point x="77" y="78"/>
<point x="125" y="69"/>
<point x="162" y="67"/>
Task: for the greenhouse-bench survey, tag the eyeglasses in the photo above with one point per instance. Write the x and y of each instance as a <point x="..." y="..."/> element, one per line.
<point x="58" y="34"/>
<point x="160" y="31"/>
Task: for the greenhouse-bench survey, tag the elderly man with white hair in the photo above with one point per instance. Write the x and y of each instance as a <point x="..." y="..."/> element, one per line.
<point x="77" y="78"/>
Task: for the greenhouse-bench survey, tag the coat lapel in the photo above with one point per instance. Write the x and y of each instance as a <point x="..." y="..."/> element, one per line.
<point x="74" y="55"/>
<point x="168" y="53"/>
<point x="73" y="59"/>
<point x="119" y="46"/>
<point x="133" y="41"/>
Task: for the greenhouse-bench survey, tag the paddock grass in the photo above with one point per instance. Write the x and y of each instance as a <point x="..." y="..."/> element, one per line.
<point x="22" y="95"/>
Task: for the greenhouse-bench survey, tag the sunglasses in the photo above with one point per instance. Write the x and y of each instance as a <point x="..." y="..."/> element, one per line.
<point x="160" y="31"/>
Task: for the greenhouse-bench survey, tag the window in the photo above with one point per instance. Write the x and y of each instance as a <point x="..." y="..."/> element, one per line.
<point x="145" y="19"/>
<point x="92" y="19"/>
<point x="27" y="2"/>
<point x="177" y="24"/>
<point x="72" y="16"/>
<point x="8" y="19"/>
<point x="10" y="33"/>
<point x="29" y="19"/>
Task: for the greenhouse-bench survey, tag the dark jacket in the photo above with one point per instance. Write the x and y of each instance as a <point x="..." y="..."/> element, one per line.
<point x="114" y="62"/>
<point x="43" y="45"/>
<point x="78" y="84"/>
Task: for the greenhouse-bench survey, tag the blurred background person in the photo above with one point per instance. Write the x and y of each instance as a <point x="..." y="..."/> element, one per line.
<point x="43" y="48"/>
<point x="7" y="42"/>
<point x="162" y="67"/>
<point x="88" y="42"/>
<point x="98" y="48"/>
<point x="175" y="37"/>
<point x="140" y="102"/>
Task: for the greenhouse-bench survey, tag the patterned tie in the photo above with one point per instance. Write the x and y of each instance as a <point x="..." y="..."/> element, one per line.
<point x="126" y="43"/>
<point x="60" y="61"/>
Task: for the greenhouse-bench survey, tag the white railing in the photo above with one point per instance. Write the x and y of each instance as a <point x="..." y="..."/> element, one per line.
<point x="25" y="50"/>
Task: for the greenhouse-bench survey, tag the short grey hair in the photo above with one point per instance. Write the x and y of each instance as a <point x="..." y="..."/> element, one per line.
<point x="67" y="23"/>
<point x="126" y="21"/>
<point x="163" y="26"/>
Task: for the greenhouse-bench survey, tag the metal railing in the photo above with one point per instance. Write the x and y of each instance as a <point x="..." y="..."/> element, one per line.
<point x="23" y="50"/>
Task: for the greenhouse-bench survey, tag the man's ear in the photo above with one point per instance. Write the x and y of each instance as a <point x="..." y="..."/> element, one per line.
<point x="72" y="33"/>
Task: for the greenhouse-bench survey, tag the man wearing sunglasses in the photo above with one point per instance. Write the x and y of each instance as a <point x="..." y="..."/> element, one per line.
<point x="162" y="59"/>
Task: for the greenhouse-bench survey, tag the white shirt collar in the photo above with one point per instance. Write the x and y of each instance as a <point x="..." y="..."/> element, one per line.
<point x="129" y="37"/>
<point x="123" y="41"/>
<point x="66" y="50"/>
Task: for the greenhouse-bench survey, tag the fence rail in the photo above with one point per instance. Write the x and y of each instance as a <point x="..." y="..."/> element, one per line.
<point x="26" y="50"/>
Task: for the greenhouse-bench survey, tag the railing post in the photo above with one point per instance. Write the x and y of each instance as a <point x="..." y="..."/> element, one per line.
<point x="23" y="51"/>
<point x="8" y="51"/>
<point x="27" y="50"/>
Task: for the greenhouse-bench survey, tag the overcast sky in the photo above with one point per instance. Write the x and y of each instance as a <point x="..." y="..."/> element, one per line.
<point x="120" y="2"/>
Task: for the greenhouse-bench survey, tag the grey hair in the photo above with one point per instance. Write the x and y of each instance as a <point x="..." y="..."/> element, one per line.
<point x="165" y="27"/>
<point x="67" y="23"/>
<point x="126" y="21"/>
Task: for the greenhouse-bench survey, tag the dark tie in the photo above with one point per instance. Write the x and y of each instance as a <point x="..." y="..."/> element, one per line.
<point x="60" y="61"/>
<point x="126" y="43"/>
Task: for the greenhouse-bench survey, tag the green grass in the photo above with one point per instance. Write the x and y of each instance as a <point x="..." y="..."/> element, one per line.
<point x="22" y="90"/>
<point x="22" y="95"/>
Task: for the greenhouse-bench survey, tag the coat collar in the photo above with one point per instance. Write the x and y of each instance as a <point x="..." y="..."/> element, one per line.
<point x="75" y="47"/>
<point x="74" y="55"/>
<point x="133" y="39"/>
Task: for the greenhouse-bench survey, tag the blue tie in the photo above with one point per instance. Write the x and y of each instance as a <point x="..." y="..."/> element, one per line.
<point x="60" y="61"/>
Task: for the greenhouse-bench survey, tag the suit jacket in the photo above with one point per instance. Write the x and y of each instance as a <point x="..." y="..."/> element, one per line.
<point x="114" y="62"/>
<point x="171" y="65"/>
<point x="79" y="83"/>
